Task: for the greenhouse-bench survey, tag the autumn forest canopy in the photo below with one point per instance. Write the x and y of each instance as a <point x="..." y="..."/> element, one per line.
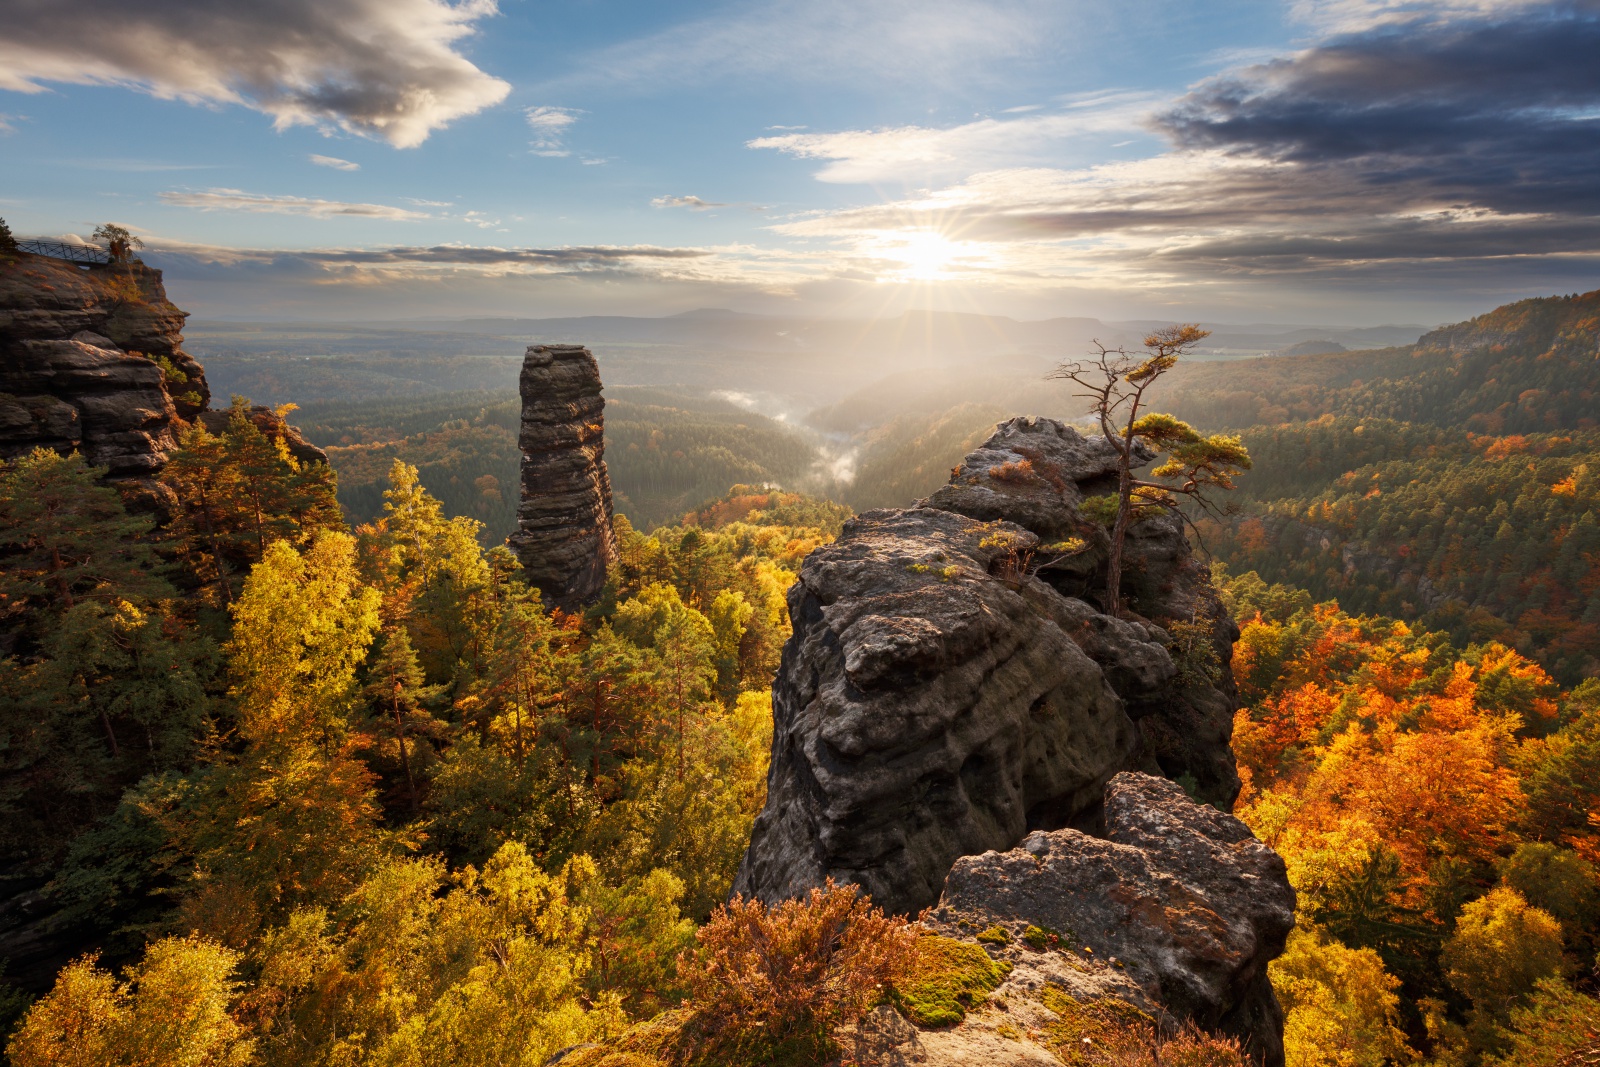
<point x="302" y="771"/>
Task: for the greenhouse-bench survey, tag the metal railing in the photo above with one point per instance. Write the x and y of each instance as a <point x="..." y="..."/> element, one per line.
<point x="62" y="250"/>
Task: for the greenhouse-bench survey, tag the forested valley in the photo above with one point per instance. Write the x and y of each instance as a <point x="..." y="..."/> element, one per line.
<point x="309" y="774"/>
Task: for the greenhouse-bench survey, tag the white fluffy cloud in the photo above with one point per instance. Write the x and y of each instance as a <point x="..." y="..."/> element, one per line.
<point x="380" y="68"/>
<point x="260" y="203"/>
<point x="693" y="203"/>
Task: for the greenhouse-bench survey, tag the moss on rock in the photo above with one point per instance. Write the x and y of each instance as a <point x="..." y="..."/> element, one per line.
<point x="948" y="977"/>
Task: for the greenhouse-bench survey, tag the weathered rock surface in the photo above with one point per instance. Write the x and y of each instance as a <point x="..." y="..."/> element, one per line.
<point x="925" y="710"/>
<point x="943" y="694"/>
<point x="564" y="535"/>
<point x="78" y="351"/>
<point x="1177" y="910"/>
<point x="1036" y="472"/>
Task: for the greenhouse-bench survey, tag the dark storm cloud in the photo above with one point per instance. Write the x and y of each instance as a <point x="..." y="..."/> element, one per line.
<point x="1501" y="113"/>
<point x="385" y="68"/>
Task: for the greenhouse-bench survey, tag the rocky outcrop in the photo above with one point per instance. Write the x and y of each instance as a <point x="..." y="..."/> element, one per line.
<point x="564" y="535"/>
<point x="92" y="359"/>
<point x="1177" y="910"/>
<point x="949" y="687"/>
<point x="1036" y="473"/>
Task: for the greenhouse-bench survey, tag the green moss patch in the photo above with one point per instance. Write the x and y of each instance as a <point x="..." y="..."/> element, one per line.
<point x="995" y="935"/>
<point x="948" y="977"/>
<point x="1044" y="939"/>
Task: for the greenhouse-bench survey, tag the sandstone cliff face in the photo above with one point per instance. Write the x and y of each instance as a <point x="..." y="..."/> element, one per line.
<point x="943" y="694"/>
<point x="564" y="536"/>
<point x="1035" y="472"/>
<point x="77" y="363"/>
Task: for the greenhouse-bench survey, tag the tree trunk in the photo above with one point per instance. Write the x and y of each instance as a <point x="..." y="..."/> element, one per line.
<point x="1119" y="532"/>
<point x="405" y="759"/>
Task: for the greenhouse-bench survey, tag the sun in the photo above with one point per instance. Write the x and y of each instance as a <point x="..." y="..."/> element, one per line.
<point x="926" y="254"/>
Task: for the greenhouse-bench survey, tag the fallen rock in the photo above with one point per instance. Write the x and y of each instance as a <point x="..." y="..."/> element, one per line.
<point x="564" y="536"/>
<point x="1177" y="911"/>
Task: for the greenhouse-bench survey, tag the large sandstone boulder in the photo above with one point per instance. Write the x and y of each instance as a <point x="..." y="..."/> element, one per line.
<point x="564" y="534"/>
<point x="1178" y="909"/>
<point x="951" y="684"/>
<point x="1036" y="472"/>
<point x="925" y="710"/>
<point x="78" y="364"/>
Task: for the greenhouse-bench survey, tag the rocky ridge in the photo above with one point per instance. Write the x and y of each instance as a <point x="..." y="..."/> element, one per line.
<point x="92" y="359"/>
<point x="950" y="685"/>
<point x="564" y="536"/>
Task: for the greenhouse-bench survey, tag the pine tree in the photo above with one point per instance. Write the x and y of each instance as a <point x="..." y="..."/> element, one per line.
<point x="68" y="538"/>
<point x="395" y="689"/>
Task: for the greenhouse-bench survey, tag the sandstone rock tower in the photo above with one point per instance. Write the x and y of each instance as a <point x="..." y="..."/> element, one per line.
<point x="564" y="536"/>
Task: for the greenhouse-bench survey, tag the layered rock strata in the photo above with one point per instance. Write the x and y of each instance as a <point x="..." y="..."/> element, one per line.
<point x="92" y="359"/>
<point x="564" y="535"/>
<point x="950" y="687"/>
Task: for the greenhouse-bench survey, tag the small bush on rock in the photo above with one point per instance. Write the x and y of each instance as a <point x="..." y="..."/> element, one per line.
<point x="801" y="966"/>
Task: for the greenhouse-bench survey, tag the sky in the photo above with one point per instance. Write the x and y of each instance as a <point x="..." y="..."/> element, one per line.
<point x="1342" y="162"/>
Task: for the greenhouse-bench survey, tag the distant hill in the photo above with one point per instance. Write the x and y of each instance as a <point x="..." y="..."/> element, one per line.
<point x="1526" y="367"/>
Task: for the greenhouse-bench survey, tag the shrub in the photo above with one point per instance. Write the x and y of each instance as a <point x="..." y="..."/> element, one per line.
<point x="1017" y="472"/>
<point x="1111" y="1033"/>
<point x="801" y="966"/>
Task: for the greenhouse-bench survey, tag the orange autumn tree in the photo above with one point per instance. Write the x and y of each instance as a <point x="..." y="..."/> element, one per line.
<point x="1403" y="779"/>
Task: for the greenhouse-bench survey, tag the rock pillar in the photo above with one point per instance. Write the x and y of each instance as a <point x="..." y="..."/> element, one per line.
<point x="564" y="536"/>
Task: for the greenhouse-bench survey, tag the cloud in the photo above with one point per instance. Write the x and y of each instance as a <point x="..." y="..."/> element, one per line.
<point x="549" y="125"/>
<point x="428" y="203"/>
<point x="913" y="152"/>
<point x="1501" y="112"/>
<point x="238" y="200"/>
<point x="380" y="68"/>
<point x="8" y="123"/>
<point x="693" y="203"/>
<point x="1448" y="148"/>
<point x="333" y="161"/>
